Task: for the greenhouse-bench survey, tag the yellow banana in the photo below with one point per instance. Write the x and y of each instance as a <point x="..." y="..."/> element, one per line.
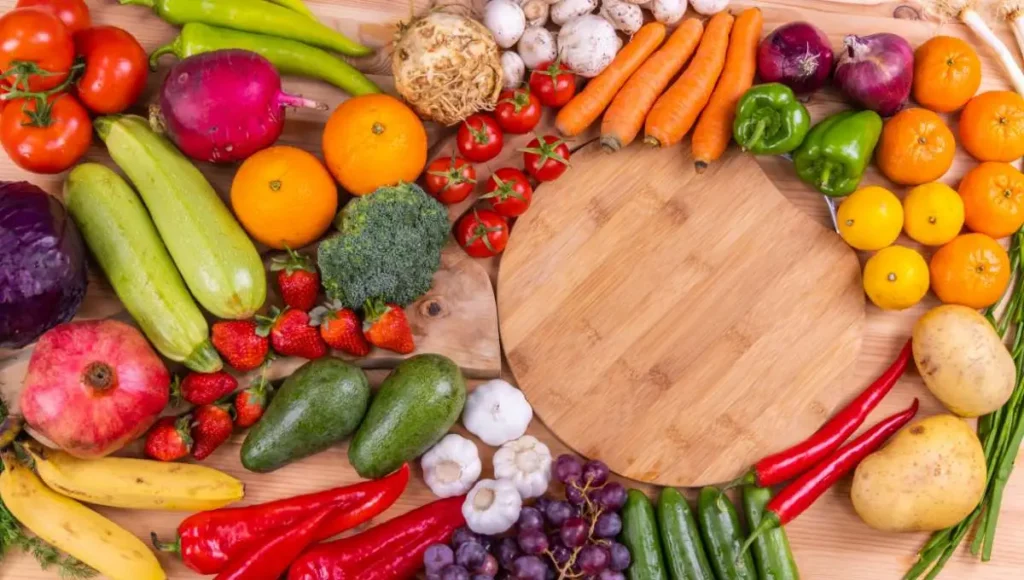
<point x="137" y="483"/>
<point x="74" y="528"/>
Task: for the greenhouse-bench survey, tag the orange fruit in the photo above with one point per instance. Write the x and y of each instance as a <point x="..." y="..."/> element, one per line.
<point x="372" y="141"/>
<point x="916" y="147"/>
<point x="973" y="270"/>
<point x="284" y="196"/>
<point x="992" y="126"/>
<point x="993" y="195"/>
<point x="947" y="73"/>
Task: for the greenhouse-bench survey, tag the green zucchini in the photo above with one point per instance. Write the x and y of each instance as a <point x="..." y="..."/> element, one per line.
<point x="771" y="550"/>
<point x="216" y="258"/>
<point x="680" y="538"/>
<point x="640" y="535"/>
<point x="723" y="536"/>
<point x="124" y="242"/>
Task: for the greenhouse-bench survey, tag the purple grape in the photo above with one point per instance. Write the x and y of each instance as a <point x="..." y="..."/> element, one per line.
<point x="529" y="568"/>
<point x="608" y="525"/>
<point x="620" y="558"/>
<point x="574" y="532"/>
<point x="480" y="577"/>
<point x="489" y="567"/>
<point x="612" y="496"/>
<point x="470" y="555"/>
<point x="561" y="555"/>
<point x="541" y="503"/>
<point x="463" y="535"/>
<point x="557" y="512"/>
<point x="575" y="495"/>
<point x="595" y="473"/>
<point x="593" y="558"/>
<point x="433" y="576"/>
<point x="508" y="551"/>
<point x="454" y="572"/>
<point x="530" y="518"/>
<point x="437" y="557"/>
<point x="607" y="574"/>
<point x="533" y="541"/>
<point x="568" y="469"/>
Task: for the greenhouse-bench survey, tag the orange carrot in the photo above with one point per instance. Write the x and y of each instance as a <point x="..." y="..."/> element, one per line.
<point x="676" y="111"/>
<point x="625" y="116"/>
<point x="714" y="130"/>
<point x="586" y="107"/>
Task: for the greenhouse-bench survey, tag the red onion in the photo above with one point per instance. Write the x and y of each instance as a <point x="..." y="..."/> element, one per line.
<point x="797" y="55"/>
<point x="876" y="71"/>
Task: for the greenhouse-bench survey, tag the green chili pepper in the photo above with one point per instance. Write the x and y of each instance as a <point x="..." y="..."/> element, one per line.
<point x="770" y="120"/>
<point x="297" y="6"/>
<point x="254" y="16"/>
<point x="836" y="152"/>
<point x="287" y="56"/>
<point x="771" y="550"/>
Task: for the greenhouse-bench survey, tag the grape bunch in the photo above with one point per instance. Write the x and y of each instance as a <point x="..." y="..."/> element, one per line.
<point x="567" y="539"/>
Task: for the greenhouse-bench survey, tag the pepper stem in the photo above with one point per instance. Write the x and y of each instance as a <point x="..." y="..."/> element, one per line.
<point x="146" y="3"/>
<point x="172" y="547"/>
<point x="769" y="522"/>
<point x="748" y="478"/>
<point x="825" y="174"/>
<point x="169" y="48"/>
<point x="755" y="138"/>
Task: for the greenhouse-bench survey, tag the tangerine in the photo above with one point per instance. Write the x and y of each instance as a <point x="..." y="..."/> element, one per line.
<point x="947" y="73"/>
<point x="916" y="147"/>
<point x="993" y="195"/>
<point x="992" y="126"/>
<point x="933" y="214"/>
<point x="973" y="270"/>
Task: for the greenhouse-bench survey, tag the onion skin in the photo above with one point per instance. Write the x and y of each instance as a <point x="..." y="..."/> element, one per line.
<point x="876" y="71"/>
<point x="797" y="55"/>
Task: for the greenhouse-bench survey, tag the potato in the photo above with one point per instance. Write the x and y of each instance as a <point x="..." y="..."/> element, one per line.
<point x="963" y="361"/>
<point x="929" y="477"/>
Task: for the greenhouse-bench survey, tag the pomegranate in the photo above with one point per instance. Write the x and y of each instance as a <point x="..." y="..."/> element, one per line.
<point x="93" y="386"/>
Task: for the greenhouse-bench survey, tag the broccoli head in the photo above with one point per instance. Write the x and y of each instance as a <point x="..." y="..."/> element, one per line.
<point x="388" y="248"/>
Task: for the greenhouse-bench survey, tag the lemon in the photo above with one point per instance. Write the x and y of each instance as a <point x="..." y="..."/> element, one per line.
<point x="933" y="214"/>
<point x="896" y="278"/>
<point x="870" y="218"/>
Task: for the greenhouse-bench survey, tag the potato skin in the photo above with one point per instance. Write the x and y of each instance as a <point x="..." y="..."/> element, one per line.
<point x="962" y="360"/>
<point x="930" y="476"/>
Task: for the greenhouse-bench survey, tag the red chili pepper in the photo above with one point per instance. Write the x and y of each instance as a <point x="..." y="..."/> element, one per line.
<point x="796" y="497"/>
<point x="208" y="540"/>
<point x="268" y="560"/>
<point x="785" y="465"/>
<point x="391" y="551"/>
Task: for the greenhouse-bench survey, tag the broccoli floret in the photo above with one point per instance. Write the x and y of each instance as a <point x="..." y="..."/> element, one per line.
<point x="388" y="248"/>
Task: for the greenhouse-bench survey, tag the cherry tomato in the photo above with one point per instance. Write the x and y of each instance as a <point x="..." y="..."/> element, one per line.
<point x="482" y="233"/>
<point x="450" y="179"/>
<point x="39" y="44"/>
<point x="546" y="158"/>
<point x="518" y="111"/>
<point x="45" y="141"/>
<point x="553" y="83"/>
<point x="509" y="192"/>
<point x="479" y="138"/>
<point x="73" y="13"/>
<point x="116" y="67"/>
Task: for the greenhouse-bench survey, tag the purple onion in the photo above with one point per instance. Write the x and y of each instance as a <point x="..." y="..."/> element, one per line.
<point x="797" y="55"/>
<point x="876" y="71"/>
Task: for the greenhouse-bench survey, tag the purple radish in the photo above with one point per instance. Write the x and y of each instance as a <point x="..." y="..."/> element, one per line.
<point x="223" y="106"/>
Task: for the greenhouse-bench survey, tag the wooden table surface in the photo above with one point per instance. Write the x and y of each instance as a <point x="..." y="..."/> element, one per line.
<point x="829" y="541"/>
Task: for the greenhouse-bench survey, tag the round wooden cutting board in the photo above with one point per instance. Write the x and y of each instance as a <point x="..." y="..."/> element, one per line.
<point x="678" y="326"/>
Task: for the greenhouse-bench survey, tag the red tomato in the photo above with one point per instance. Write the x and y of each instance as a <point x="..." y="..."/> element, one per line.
<point x="47" y="141"/>
<point x="115" y="69"/>
<point x="37" y="42"/>
<point x="479" y="138"/>
<point x="450" y="179"/>
<point x="518" y="111"/>
<point x="553" y="83"/>
<point x="73" y="13"/>
<point x="482" y="233"/>
<point x="547" y="158"/>
<point x="509" y="192"/>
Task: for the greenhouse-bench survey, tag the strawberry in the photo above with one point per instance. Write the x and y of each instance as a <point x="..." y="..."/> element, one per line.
<point x="387" y="327"/>
<point x="204" y="388"/>
<point x="340" y="328"/>
<point x="250" y="403"/>
<point x="169" y="438"/>
<point x="238" y="343"/>
<point x="298" y="280"/>
<point x="291" y="334"/>
<point x="211" y="427"/>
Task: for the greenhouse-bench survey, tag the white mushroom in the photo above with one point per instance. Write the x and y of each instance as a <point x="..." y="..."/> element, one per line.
<point x="512" y="69"/>
<point x="537" y="46"/>
<point x="506" y="21"/>
<point x="588" y="44"/>
<point x="536" y="11"/>
<point x="709" y="7"/>
<point x="668" y="11"/>
<point x="624" y="16"/>
<point x="567" y="10"/>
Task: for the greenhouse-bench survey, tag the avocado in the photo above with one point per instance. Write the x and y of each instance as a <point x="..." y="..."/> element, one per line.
<point x="319" y="405"/>
<point x="413" y="409"/>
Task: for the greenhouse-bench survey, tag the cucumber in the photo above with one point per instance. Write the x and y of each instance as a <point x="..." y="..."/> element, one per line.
<point x="680" y="538"/>
<point x="640" y="535"/>
<point x="414" y="408"/>
<point x="723" y="536"/>
<point x="319" y="405"/>
<point x="216" y="258"/>
<point x="771" y="550"/>
<point x="128" y="249"/>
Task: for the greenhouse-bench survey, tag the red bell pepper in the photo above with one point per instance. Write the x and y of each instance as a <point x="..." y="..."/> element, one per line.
<point x="208" y="540"/>
<point x="268" y="560"/>
<point x="391" y="551"/>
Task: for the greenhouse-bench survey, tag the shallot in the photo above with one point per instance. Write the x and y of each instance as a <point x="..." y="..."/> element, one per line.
<point x="797" y="55"/>
<point x="876" y="71"/>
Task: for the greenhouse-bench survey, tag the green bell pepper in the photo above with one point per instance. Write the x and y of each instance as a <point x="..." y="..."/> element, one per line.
<point x="836" y="152"/>
<point x="770" y="120"/>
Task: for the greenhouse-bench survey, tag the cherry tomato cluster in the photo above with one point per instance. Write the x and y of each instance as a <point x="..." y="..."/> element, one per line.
<point x="56" y="68"/>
